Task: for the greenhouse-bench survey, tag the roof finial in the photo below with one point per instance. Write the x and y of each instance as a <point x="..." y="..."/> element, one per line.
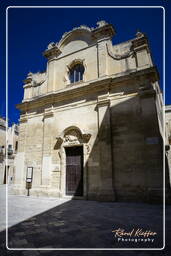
<point x="101" y="23"/>
<point x="139" y="33"/>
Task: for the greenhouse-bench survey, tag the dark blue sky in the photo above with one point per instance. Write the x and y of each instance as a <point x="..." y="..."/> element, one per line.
<point x="30" y="30"/>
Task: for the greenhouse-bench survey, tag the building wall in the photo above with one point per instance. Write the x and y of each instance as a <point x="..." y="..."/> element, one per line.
<point x="2" y="148"/>
<point x="137" y="149"/>
<point x="8" y="139"/>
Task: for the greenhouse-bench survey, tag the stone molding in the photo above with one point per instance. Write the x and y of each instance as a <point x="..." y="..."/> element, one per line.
<point x="23" y="119"/>
<point x="52" y="52"/>
<point x="48" y="113"/>
<point x="103" y="100"/>
<point x="140" y="42"/>
<point x="69" y="67"/>
<point x="147" y="93"/>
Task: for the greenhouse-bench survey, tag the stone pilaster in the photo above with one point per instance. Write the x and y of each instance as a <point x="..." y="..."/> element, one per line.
<point x="46" y="148"/>
<point x="102" y="56"/>
<point x="20" y="157"/>
<point x="106" y="192"/>
<point x="51" y="53"/>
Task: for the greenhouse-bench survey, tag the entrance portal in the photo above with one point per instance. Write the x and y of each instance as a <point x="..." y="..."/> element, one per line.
<point x="74" y="171"/>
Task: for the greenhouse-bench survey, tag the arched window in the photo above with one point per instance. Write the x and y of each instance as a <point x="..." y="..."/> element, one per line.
<point x="76" y="73"/>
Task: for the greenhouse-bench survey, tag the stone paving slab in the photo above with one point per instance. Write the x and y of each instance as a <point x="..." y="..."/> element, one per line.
<point x="86" y="224"/>
<point x="21" y="208"/>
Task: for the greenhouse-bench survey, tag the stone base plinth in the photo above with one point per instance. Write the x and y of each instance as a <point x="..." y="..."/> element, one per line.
<point x="39" y="191"/>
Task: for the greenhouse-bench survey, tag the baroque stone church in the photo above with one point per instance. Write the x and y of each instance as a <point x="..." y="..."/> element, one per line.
<point x="90" y="125"/>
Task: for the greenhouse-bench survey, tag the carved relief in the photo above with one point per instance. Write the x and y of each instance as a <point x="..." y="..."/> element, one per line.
<point x="58" y="143"/>
<point x="86" y="137"/>
<point x="71" y="139"/>
<point x="88" y="149"/>
<point x="119" y="56"/>
<point x="73" y="136"/>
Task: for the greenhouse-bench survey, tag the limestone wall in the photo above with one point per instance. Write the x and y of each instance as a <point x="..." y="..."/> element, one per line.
<point x="123" y="154"/>
<point x="137" y="149"/>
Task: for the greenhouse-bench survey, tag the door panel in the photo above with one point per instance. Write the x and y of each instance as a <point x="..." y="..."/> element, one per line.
<point x="74" y="171"/>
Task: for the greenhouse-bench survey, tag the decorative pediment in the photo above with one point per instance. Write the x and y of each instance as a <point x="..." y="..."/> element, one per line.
<point x="72" y="136"/>
<point x="76" y="40"/>
<point x="81" y="35"/>
<point x="79" y="38"/>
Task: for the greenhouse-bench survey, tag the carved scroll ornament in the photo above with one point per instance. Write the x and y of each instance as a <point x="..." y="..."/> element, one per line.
<point x="119" y="56"/>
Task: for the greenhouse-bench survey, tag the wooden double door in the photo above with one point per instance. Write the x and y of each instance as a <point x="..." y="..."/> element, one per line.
<point x="74" y="171"/>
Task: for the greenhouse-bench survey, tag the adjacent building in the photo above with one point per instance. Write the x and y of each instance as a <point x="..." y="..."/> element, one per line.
<point x="2" y="150"/>
<point x="90" y="125"/>
<point x="8" y="150"/>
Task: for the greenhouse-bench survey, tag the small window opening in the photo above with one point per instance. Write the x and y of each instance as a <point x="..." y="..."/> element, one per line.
<point x="76" y="73"/>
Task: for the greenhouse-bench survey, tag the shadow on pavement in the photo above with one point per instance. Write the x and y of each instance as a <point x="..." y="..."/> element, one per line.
<point x="87" y="224"/>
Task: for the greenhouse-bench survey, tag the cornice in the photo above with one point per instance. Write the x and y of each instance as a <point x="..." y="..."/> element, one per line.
<point x="52" y="51"/>
<point x="167" y="108"/>
<point x="94" y="86"/>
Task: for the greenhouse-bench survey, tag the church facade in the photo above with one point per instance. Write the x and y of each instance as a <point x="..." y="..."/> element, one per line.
<point x="89" y="124"/>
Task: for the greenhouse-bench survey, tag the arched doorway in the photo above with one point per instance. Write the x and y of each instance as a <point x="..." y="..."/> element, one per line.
<point x="73" y="146"/>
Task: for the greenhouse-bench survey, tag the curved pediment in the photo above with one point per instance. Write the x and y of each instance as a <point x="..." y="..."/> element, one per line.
<point x="79" y="38"/>
<point x="76" y="39"/>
